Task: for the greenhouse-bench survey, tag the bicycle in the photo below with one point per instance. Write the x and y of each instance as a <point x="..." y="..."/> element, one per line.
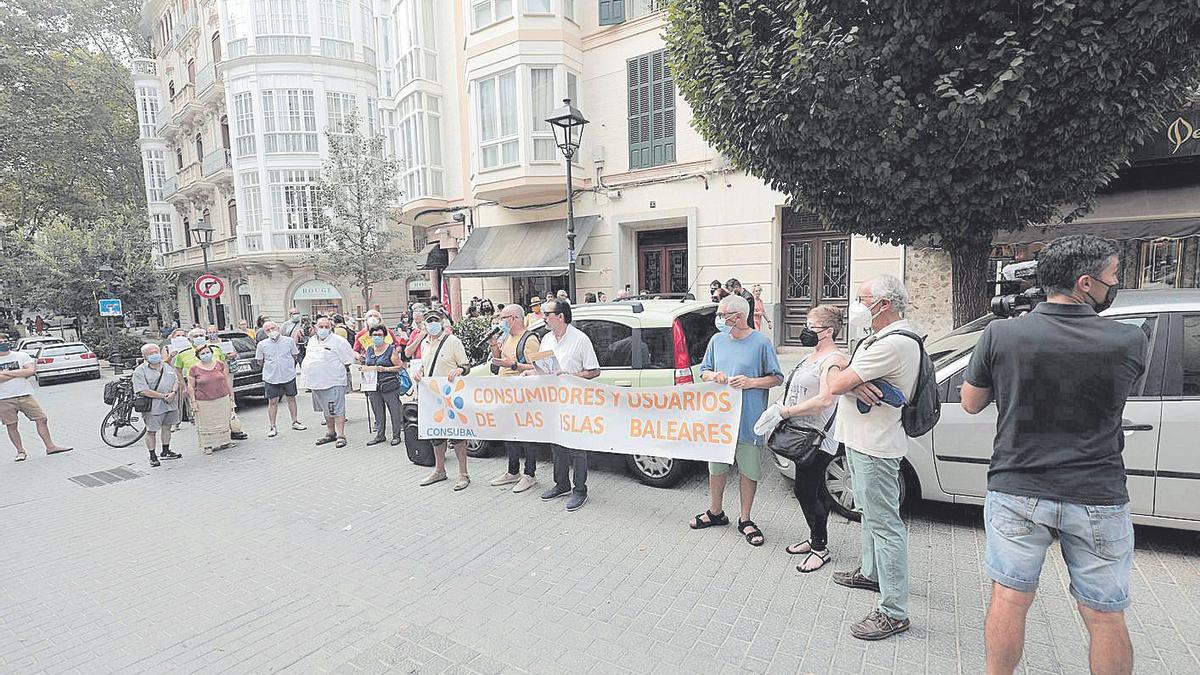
<point x="122" y="426"/>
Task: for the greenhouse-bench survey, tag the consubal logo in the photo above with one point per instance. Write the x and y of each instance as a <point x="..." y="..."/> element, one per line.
<point x="452" y="404"/>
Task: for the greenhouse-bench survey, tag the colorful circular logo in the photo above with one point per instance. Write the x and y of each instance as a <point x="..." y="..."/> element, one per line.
<point x="452" y="404"/>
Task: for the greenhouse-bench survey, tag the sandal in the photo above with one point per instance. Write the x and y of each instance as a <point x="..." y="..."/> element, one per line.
<point x="824" y="556"/>
<point x="325" y="439"/>
<point x="801" y="548"/>
<point x="341" y="442"/>
<point x="433" y="478"/>
<point x="463" y="482"/>
<point x="751" y="532"/>
<point x="714" y="519"/>
<point x="20" y="457"/>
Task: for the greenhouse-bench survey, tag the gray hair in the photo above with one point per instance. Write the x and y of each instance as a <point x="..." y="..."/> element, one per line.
<point x="517" y="310"/>
<point x="326" y="320"/>
<point x="888" y="287"/>
<point x="735" y="303"/>
<point x="418" y="309"/>
<point x="197" y="332"/>
<point x="147" y="347"/>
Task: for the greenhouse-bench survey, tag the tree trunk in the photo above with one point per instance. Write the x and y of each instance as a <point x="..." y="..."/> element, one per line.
<point x="366" y="295"/>
<point x="971" y="293"/>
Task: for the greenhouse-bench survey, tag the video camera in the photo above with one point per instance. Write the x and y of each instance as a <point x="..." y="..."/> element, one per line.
<point x="1017" y="291"/>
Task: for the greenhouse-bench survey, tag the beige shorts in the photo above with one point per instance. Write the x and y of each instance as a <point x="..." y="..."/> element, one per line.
<point x="9" y="407"/>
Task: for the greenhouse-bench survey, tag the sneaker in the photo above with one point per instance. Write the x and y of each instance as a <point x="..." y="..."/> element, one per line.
<point x="877" y="626"/>
<point x="272" y="433"/>
<point x="855" y="579"/>
<point x="296" y="426"/>
<point x="169" y="454"/>
<point x="504" y="479"/>
<point x="555" y="492"/>
<point x="525" y="483"/>
<point x="239" y="436"/>
<point x="576" y="501"/>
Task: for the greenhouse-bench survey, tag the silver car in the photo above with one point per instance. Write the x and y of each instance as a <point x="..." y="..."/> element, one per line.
<point x="65" y="360"/>
<point x="1162" y="466"/>
<point x="31" y="345"/>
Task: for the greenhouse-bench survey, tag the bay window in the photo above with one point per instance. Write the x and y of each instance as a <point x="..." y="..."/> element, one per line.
<point x="539" y="6"/>
<point x="162" y="233"/>
<point x="419" y="145"/>
<point x="499" y="144"/>
<point x="155" y="165"/>
<point x="281" y="26"/>
<point x="417" y="45"/>
<point x="289" y="120"/>
<point x="339" y="106"/>
<point x="295" y="208"/>
<point x="486" y="12"/>
<point x="243" y="119"/>
<point x="147" y="110"/>
<point x="541" y="104"/>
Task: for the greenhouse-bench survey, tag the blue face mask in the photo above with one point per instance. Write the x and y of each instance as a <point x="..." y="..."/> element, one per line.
<point x="5" y="347"/>
<point x="434" y="328"/>
<point x="722" y="326"/>
<point x="199" y="340"/>
<point x="505" y="329"/>
<point x="155" y="358"/>
<point x="378" y="340"/>
<point x="323" y="333"/>
<point x="206" y="357"/>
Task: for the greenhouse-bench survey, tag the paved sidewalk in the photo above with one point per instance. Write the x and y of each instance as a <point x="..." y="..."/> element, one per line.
<point x="279" y="555"/>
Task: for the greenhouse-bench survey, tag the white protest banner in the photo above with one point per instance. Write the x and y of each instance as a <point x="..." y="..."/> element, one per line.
<point x="693" y="421"/>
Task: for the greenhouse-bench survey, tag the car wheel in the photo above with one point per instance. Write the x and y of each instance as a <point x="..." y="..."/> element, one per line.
<point x="839" y="493"/>
<point x="477" y="447"/>
<point x="661" y="472"/>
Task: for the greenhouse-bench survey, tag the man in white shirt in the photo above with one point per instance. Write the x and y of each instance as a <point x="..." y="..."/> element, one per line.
<point x="277" y="354"/>
<point x="324" y="372"/>
<point x="576" y="356"/>
<point x="875" y="444"/>
<point x="16" y="396"/>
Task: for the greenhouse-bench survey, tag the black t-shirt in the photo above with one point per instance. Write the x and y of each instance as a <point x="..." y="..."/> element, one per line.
<point x="750" y="299"/>
<point x="1060" y="376"/>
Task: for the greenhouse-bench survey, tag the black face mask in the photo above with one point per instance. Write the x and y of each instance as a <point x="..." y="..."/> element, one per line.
<point x="1104" y="304"/>
<point x="809" y="337"/>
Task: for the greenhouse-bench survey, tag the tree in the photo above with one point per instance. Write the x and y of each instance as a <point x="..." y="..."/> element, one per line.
<point x="357" y="186"/>
<point x="944" y="121"/>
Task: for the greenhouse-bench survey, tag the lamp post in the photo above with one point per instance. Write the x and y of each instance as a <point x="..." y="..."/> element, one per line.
<point x="568" y="124"/>
<point x="202" y="232"/>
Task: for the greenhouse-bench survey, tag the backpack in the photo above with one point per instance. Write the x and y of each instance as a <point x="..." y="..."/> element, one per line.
<point x="921" y="413"/>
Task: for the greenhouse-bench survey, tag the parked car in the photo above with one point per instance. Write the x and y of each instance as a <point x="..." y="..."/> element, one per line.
<point x="31" y="345"/>
<point x="640" y="343"/>
<point x="1161" y="420"/>
<point x="247" y="373"/>
<point x="62" y="360"/>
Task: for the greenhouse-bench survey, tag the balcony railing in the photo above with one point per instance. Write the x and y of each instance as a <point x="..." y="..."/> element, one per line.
<point x="170" y="187"/>
<point x="216" y="161"/>
<point x="163" y="116"/>
<point x="237" y="48"/>
<point x="186" y="23"/>
<point x="205" y="78"/>
<point x="190" y="174"/>
<point x="184" y="95"/>
<point x="145" y="67"/>
<point x="297" y="240"/>
<point x="282" y="44"/>
<point x="337" y="49"/>
<point x="222" y="249"/>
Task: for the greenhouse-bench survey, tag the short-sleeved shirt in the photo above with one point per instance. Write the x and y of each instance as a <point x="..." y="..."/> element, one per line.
<point x="210" y="385"/>
<point x="278" y="358"/>
<point x="1060" y="376"/>
<point x="452" y="356"/>
<point x="187" y="358"/>
<point x="751" y="356"/>
<point x="412" y="338"/>
<point x="363" y="341"/>
<point x="897" y="361"/>
<point x="17" y="386"/>
<point x="146" y="378"/>
<point x="325" y="362"/>
<point x="574" y="350"/>
<point x="508" y="350"/>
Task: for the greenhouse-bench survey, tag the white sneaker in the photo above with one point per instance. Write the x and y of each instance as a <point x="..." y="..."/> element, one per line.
<point x="504" y="479"/>
<point x="299" y="427"/>
<point x="272" y="433"/>
<point x="524" y="484"/>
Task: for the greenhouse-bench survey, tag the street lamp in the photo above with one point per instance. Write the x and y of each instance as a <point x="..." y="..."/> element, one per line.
<point x="568" y="124"/>
<point x="202" y="232"/>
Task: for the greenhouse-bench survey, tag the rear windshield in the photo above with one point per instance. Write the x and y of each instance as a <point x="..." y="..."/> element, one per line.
<point x="65" y="350"/>
<point x="698" y="327"/>
<point x="34" y="344"/>
<point x="953" y="346"/>
<point x="242" y="344"/>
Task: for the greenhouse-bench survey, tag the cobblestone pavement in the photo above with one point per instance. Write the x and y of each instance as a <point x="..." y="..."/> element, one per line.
<point x="278" y="555"/>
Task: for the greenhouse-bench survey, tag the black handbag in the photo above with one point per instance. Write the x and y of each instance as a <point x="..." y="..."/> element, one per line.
<point x="143" y="403"/>
<point x="794" y="440"/>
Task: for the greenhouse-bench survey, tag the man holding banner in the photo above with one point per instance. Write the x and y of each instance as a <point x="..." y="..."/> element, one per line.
<point x="744" y="359"/>
<point x="575" y="356"/>
<point x="512" y="353"/>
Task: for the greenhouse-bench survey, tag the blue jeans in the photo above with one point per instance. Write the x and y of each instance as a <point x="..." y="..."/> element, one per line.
<point x="1097" y="545"/>
<point x="876" y="484"/>
<point x="566" y="460"/>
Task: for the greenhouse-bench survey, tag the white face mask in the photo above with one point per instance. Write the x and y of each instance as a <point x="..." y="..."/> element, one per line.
<point x="273" y="334"/>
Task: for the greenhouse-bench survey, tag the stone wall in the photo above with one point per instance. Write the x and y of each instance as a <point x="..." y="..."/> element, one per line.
<point x="927" y="276"/>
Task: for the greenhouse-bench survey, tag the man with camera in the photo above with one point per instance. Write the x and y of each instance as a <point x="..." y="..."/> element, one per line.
<point x="1060" y="376"/>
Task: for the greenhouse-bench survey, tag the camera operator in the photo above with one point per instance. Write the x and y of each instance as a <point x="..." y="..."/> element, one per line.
<point x="1060" y="376"/>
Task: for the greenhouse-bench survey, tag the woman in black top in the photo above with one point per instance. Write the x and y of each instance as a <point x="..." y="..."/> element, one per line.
<point x="385" y="360"/>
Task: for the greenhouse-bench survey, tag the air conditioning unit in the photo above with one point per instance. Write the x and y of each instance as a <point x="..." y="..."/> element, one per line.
<point x="598" y="155"/>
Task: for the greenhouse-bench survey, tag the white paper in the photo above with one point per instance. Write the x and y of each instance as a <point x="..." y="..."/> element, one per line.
<point x="548" y="365"/>
<point x="370" y="380"/>
<point x="415" y="367"/>
<point x="179" y="344"/>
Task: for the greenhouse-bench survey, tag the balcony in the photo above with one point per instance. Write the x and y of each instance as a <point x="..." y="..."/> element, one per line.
<point x="222" y="250"/>
<point x="208" y="87"/>
<point x="145" y="67"/>
<point x="191" y="181"/>
<point x="186" y="26"/>
<point x="170" y="187"/>
<point x="218" y="165"/>
<point x="187" y="108"/>
<point x="162" y="119"/>
<point x="237" y="48"/>
<point x="297" y="240"/>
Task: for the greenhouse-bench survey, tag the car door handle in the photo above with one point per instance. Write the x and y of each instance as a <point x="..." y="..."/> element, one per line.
<point x="623" y="383"/>
<point x="1129" y="426"/>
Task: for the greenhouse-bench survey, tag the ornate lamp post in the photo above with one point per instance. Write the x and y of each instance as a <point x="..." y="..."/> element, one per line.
<point x="202" y="232"/>
<point x="568" y="124"/>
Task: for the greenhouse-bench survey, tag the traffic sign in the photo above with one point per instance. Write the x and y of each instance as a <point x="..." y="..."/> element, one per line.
<point x="110" y="307"/>
<point x="209" y="286"/>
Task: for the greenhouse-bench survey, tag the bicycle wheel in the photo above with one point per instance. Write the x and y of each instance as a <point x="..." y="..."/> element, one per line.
<point x="122" y="427"/>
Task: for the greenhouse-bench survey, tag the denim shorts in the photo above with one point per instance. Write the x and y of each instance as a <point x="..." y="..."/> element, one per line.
<point x="1097" y="545"/>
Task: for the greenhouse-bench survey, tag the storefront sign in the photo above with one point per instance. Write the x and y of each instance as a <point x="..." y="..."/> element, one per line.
<point x="317" y="290"/>
<point x="419" y="285"/>
<point x="1179" y="137"/>
<point x="695" y="421"/>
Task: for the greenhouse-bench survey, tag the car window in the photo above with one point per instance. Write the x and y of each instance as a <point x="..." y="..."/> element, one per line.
<point x="698" y="327"/>
<point x="613" y="342"/>
<point x="244" y="344"/>
<point x="660" y="347"/>
<point x="954" y="345"/>
<point x="64" y="350"/>
<point x="1191" y="355"/>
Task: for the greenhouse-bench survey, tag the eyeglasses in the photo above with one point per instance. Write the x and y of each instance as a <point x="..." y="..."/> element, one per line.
<point x="726" y="315"/>
<point x="550" y="311"/>
<point x="817" y="328"/>
<point x="867" y="300"/>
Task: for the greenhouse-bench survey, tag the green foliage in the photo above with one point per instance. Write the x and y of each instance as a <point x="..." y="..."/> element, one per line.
<point x="472" y="330"/>
<point x="947" y="120"/>
<point x="358" y="185"/>
<point x="105" y="343"/>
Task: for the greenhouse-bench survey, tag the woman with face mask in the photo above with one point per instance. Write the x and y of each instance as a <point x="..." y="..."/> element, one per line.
<point x="807" y="399"/>
<point x="211" y="399"/>
<point x="385" y="361"/>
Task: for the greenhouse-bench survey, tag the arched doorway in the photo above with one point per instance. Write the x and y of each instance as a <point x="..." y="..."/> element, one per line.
<point x="317" y="296"/>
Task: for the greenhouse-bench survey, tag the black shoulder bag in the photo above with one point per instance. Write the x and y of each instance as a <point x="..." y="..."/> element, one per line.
<point x="143" y="403"/>
<point x="794" y="440"/>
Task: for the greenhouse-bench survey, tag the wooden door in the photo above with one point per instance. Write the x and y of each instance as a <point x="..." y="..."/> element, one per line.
<point x="663" y="261"/>
<point x="815" y="268"/>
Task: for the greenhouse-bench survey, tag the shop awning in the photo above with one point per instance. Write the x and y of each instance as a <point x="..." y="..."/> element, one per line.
<point x="433" y="256"/>
<point x="520" y="250"/>
<point x="1127" y="214"/>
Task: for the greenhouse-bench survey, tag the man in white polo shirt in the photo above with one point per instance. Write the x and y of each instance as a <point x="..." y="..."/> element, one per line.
<point x="277" y="353"/>
<point x="576" y="356"/>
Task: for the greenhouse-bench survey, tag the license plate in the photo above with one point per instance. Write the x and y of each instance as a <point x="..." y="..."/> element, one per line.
<point x="242" y="368"/>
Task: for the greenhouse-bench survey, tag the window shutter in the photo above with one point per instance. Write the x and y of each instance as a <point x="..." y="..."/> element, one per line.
<point x="662" y="110"/>
<point x="639" y="112"/>
<point x="612" y="12"/>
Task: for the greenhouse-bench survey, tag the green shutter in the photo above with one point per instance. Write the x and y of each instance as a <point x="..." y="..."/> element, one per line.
<point x="612" y="12"/>
<point x="651" y="111"/>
